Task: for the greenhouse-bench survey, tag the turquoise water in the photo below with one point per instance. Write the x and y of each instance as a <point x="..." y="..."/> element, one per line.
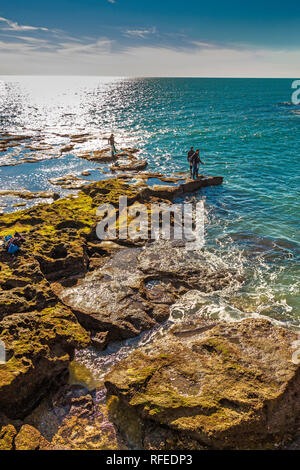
<point x="247" y="131"/>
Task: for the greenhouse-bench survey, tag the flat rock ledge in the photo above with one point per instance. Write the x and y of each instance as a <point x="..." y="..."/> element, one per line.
<point x="207" y="385"/>
<point x="172" y="192"/>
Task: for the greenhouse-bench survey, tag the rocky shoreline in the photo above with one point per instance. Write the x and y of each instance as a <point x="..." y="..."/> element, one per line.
<point x="204" y="384"/>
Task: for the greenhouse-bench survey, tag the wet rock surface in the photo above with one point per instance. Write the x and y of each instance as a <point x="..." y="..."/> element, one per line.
<point x="105" y="156"/>
<point x="134" y="165"/>
<point x="99" y="156"/>
<point x="69" y="182"/>
<point x="73" y="418"/>
<point x="29" y="194"/>
<point x="134" y="289"/>
<point x="188" y="186"/>
<point x="19" y="149"/>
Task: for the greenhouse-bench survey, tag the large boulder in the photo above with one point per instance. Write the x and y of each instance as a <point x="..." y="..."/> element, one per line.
<point x="225" y="385"/>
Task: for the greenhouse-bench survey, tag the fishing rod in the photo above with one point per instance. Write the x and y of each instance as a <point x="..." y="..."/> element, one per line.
<point x="209" y="163"/>
<point x="220" y="163"/>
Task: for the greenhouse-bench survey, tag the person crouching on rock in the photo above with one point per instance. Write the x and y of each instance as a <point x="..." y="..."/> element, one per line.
<point x="13" y="243"/>
<point x="189" y="156"/>
<point x="195" y="159"/>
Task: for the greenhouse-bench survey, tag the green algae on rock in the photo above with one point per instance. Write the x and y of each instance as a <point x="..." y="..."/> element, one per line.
<point x="39" y="347"/>
<point x="226" y="386"/>
<point x="23" y="288"/>
<point x="147" y="435"/>
<point x="56" y="234"/>
<point x="55" y="248"/>
<point x="39" y="333"/>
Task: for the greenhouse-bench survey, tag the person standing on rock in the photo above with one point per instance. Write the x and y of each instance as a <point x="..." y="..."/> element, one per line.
<point x="189" y="156"/>
<point x="195" y="159"/>
<point x="111" y="141"/>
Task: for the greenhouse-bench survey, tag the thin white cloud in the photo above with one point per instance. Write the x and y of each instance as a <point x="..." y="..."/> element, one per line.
<point x="202" y="44"/>
<point x="102" y="45"/>
<point x="25" y="44"/>
<point x="30" y="39"/>
<point x="14" y="37"/>
<point x="12" y="47"/>
<point x="14" y="26"/>
<point x="111" y="1"/>
<point x="140" y="33"/>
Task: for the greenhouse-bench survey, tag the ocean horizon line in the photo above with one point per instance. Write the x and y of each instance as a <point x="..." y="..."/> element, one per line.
<point x="153" y="76"/>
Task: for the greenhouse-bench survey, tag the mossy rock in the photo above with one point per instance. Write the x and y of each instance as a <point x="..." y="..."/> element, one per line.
<point x="231" y="386"/>
<point x="127" y="420"/>
<point x="41" y="334"/>
<point x="23" y="287"/>
<point x="39" y="347"/>
<point x="56" y="233"/>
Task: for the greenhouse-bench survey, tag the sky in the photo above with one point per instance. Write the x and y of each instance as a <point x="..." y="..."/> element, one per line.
<point x="192" y="38"/>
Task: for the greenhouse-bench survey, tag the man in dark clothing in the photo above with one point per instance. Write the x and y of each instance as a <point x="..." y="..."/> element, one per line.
<point x="195" y="160"/>
<point x="189" y="156"/>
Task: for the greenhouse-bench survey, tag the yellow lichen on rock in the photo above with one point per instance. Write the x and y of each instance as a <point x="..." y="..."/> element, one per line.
<point x="7" y="435"/>
<point x="89" y="433"/>
<point x="29" y="438"/>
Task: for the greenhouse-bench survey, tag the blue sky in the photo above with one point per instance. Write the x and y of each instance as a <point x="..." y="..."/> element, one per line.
<point x="160" y="38"/>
